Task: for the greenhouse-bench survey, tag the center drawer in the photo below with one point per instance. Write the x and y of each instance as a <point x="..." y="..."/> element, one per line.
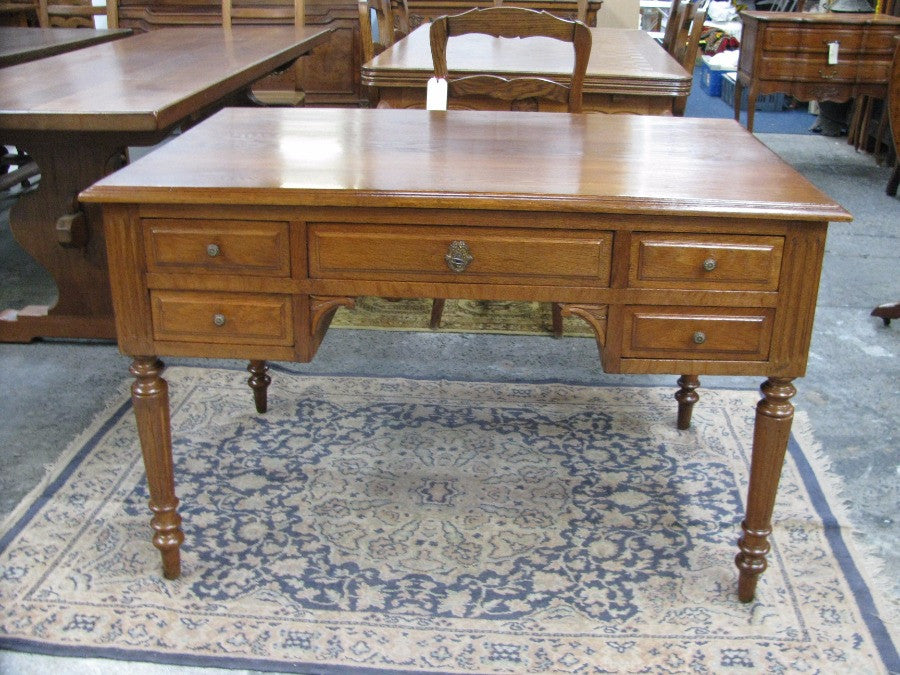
<point x="479" y="254"/>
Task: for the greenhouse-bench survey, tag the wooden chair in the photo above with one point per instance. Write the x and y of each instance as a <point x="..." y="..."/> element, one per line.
<point x="290" y="95"/>
<point x="384" y="21"/>
<point x="69" y="14"/>
<point x="859" y="127"/>
<point x="686" y="44"/>
<point x="580" y="12"/>
<point x="673" y="26"/>
<point x="518" y="93"/>
<point x="514" y="93"/>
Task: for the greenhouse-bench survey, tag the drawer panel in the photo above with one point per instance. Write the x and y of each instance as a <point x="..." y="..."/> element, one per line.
<point x="704" y="261"/>
<point x="815" y="69"/>
<point x="789" y="39"/>
<point x="498" y="255"/>
<point x="697" y="333"/>
<point x="238" y="318"/>
<point x="214" y="246"/>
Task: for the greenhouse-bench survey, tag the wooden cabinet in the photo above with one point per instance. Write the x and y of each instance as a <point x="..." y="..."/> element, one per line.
<point x="826" y="57"/>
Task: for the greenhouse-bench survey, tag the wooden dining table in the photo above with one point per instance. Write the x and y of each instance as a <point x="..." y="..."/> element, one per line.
<point x="21" y="44"/>
<point x="77" y="113"/>
<point x="628" y="72"/>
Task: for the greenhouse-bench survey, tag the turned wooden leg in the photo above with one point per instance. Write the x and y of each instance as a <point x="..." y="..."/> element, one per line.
<point x="437" y="311"/>
<point x="150" y="397"/>
<point x="894" y="180"/>
<point x="774" y="414"/>
<point x="259" y="381"/>
<point x="557" y="319"/>
<point x="686" y="397"/>
<point x="738" y="92"/>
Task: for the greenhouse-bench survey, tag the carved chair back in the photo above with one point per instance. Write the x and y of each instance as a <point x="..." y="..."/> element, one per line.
<point x="73" y="14"/>
<point x="520" y="93"/>
<point x="580" y="12"/>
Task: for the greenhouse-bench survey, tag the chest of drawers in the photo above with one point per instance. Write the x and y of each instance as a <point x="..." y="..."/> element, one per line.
<point x="812" y="56"/>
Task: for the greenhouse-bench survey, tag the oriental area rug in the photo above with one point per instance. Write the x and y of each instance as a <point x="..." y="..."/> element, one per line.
<point x="463" y="316"/>
<point x="389" y="525"/>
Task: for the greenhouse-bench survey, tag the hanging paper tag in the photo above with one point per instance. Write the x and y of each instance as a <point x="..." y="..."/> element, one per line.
<point x="833" y="53"/>
<point x="436" y="94"/>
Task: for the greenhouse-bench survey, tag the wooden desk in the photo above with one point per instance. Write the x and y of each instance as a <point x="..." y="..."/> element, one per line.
<point x="76" y="113"/>
<point x="627" y="71"/>
<point x="242" y="237"/>
<point x="788" y="52"/>
<point x="18" y="45"/>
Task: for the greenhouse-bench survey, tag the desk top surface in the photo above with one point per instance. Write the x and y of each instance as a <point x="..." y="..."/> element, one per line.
<point x="19" y="45"/>
<point x="147" y="82"/>
<point x="472" y="160"/>
<point x="617" y="54"/>
<point x="862" y="18"/>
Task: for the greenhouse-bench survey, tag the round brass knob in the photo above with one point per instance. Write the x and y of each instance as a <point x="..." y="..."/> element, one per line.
<point x="219" y="319"/>
<point x="212" y="250"/>
<point x="699" y="337"/>
<point x="458" y="256"/>
<point x="709" y="264"/>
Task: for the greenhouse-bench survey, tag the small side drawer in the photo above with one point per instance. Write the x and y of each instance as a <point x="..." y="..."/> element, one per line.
<point x="702" y="261"/>
<point x="484" y="254"/>
<point x="697" y="333"/>
<point x="793" y="39"/>
<point x="236" y="318"/>
<point x="871" y="40"/>
<point x="214" y="246"/>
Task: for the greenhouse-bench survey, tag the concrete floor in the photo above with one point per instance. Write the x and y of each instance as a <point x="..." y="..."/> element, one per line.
<point x="50" y="390"/>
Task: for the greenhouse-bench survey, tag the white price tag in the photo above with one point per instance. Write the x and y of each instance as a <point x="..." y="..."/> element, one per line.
<point x="833" y="53"/>
<point x="436" y="94"/>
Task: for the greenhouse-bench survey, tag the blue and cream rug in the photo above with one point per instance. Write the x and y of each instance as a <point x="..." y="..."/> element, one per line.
<point x="391" y="524"/>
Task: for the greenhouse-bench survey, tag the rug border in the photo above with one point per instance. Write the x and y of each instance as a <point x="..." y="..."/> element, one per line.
<point x="862" y="570"/>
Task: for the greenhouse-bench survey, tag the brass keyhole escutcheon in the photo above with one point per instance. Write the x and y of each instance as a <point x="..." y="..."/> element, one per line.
<point x="212" y="250"/>
<point x="219" y="319"/>
<point x="458" y="256"/>
<point x="699" y="337"/>
<point x="709" y="264"/>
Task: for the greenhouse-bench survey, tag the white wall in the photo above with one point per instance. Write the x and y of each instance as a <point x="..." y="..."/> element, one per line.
<point x="618" y="14"/>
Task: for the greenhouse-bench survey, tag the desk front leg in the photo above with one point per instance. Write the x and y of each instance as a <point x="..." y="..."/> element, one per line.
<point x="774" y="415"/>
<point x="150" y="397"/>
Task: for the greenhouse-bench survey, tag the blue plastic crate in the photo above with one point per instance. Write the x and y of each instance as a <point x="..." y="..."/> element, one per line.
<point x="767" y="103"/>
<point x="711" y="80"/>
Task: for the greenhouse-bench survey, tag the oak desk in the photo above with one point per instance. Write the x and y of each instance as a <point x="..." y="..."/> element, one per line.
<point x="18" y="45"/>
<point x="75" y="114"/>
<point x="627" y="71"/>
<point x="788" y="52"/>
<point x="215" y="253"/>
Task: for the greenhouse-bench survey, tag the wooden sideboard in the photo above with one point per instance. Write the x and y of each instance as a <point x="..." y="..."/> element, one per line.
<point x="242" y="237"/>
<point x="330" y="74"/>
<point x="789" y="52"/>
